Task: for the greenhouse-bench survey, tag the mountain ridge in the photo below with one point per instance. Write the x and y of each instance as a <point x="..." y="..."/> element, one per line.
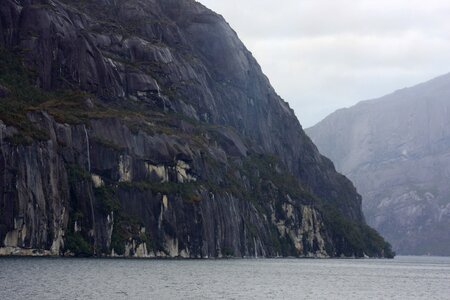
<point x="152" y="132"/>
<point x="394" y="148"/>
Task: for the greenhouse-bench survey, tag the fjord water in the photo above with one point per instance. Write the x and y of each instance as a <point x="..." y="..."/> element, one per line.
<point x="400" y="278"/>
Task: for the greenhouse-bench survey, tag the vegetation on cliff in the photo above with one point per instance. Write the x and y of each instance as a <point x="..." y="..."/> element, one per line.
<point x="143" y="141"/>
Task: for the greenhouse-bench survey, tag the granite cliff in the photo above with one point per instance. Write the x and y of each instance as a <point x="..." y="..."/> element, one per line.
<point x="396" y="151"/>
<point x="145" y="128"/>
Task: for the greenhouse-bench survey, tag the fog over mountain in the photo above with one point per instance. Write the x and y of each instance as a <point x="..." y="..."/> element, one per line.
<point x="396" y="149"/>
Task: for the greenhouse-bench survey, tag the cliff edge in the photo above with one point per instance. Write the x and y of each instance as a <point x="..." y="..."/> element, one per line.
<point x="146" y="128"/>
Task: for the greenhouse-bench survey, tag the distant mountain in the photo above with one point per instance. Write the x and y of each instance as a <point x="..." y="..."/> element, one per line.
<point x="396" y="149"/>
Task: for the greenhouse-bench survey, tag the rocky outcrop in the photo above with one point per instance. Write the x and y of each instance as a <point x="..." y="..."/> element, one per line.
<point x="396" y="151"/>
<point x="146" y="128"/>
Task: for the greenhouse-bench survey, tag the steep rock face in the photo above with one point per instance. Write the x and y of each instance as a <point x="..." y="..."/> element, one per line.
<point x="396" y="151"/>
<point x="146" y="128"/>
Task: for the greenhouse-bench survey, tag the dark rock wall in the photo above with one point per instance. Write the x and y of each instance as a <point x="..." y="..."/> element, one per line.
<point x="154" y="185"/>
<point x="54" y="188"/>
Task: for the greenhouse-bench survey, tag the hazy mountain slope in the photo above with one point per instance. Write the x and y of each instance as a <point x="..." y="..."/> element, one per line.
<point x="145" y="128"/>
<point x="396" y="150"/>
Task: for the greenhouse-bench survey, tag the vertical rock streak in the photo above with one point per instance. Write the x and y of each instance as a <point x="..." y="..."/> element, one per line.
<point x="88" y="150"/>
<point x="88" y="154"/>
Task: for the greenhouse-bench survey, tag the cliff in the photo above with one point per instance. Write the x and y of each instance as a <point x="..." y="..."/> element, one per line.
<point x="396" y="151"/>
<point x="146" y="128"/>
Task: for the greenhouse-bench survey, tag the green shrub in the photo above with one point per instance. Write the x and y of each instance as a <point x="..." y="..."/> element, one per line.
<point x="353" y="238"/>
<point x="107" y="199"/>
<point x="76" y="244"/>
<point x="188" y="191"/>
<point x="77" y="174"/>
<point x="227" y="252"/>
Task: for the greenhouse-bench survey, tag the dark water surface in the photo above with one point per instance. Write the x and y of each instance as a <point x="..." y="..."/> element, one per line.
<point x="57" y="278"/>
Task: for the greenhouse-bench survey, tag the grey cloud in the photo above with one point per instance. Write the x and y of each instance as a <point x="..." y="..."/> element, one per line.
<point x="321" y="55"/>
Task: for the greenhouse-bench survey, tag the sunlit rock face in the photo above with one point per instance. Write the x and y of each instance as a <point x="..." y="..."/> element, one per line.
<point x="396" y="150"/>
<point x="147" y="129"/>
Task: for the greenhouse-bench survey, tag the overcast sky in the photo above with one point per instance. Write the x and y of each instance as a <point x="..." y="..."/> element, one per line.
<point x="321" y="55"/>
